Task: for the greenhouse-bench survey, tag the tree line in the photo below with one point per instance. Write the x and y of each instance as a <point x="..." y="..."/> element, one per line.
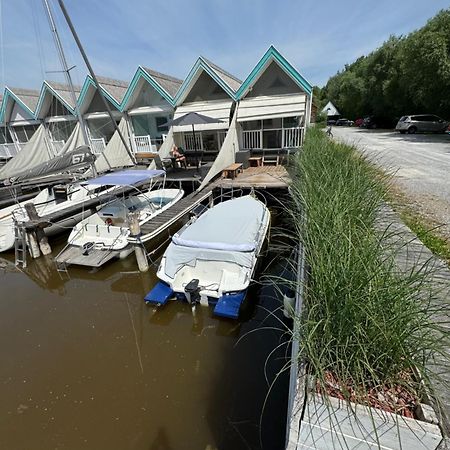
<point x="406" y="75"/>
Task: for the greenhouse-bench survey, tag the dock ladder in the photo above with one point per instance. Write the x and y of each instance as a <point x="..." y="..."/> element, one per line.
<point x="20" y="245"/>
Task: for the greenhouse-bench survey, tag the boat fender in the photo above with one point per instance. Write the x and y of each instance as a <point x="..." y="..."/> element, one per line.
<point x="289" y="304"/>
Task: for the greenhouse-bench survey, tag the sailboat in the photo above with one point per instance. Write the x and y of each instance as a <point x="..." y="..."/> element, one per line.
<point x="212" y="259"/>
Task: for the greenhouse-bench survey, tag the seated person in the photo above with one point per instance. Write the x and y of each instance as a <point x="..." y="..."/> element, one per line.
<point x="178" y="156"/>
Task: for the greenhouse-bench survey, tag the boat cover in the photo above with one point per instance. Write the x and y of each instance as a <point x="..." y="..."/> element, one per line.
<point x="72" y="160"/>
<point x="228" y="232"/>
<point x="125" y="177"/>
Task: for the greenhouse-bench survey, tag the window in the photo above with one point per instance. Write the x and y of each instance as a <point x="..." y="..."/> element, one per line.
<point x="251" y="125"/>
<point x="271" y="124"/>
<point x="24" y="133"/>
<point x="60" y="131"/>
<point x="160" y="124"/>
<point x="290" y="122"/>
<point x="5" y="137"/>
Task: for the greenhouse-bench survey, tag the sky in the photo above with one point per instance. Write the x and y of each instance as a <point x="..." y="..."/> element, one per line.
<point x="317" y="36"/>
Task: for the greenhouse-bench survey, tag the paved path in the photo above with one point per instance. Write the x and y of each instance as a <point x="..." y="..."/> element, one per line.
<point x="410" y="252"/>
<point x="421" y="163"/>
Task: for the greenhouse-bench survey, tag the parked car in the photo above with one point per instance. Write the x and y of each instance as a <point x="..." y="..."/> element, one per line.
<point x="359" y="122"/>
<point x="331" y="122"/>
<point x="344" y="123"/>
<point x="372" y="122"/>
<point x="421" y="122"/>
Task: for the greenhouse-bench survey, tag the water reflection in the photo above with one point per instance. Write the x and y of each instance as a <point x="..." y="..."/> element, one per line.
<point x="86" y="365"/>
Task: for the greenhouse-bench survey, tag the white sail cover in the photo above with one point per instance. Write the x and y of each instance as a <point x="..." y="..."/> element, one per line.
<point x="166" y="147"/>
<point x="76" y="139"/>
<point x="35" y="152"/>
<point x="226" y="154"/>
<point x="115" y="154"/>
<point x="229" y="232"/>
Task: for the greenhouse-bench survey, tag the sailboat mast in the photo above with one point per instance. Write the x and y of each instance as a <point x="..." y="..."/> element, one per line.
<point x="91" y="71"/>
<point x="66" y="69"/>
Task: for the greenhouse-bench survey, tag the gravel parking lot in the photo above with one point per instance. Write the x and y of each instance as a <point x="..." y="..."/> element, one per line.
<point x="420" y="162"/>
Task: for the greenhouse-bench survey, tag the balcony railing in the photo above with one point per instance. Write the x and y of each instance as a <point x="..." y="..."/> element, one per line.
<point x="251" y="139"/>
<point x="8" y="151"/>
<point x="190" y="144"/>
<point x="290" y="138"/>
<point x="98" y="145"/>
<point x="143" y="144"/>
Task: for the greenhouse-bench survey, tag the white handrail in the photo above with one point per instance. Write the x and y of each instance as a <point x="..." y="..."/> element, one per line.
<point x="143" y="144"/>
<point x="98" y="145"/>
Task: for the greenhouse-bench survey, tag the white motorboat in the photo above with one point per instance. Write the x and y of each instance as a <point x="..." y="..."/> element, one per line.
<point x="212" y="259"/>
<point x="51" y="200"/>
<point x="104" y="235"/>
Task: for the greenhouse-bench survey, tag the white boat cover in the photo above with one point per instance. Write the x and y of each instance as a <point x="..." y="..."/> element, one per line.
<point x="227" y="153"/>
<point x="115" y="154"/>
<point x="230" y="232"/>
<point x="35" y="152"/>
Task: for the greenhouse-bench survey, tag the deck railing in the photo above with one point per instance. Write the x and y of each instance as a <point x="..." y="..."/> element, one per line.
<point x="98" y="145"/>
<point x="9" y="150"/>
<point x="143" y="144"/>
<point x="251" y="139"/>
<point x="189" y="141"/>
<point x="290" y="138"/>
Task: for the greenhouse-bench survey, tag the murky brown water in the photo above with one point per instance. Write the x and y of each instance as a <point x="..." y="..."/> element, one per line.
<point x="85" y="364"/>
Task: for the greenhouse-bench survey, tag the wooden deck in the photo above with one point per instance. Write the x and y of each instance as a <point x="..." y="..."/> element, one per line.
<point x="74" y="256"/>
<point x="167" y="218"/>
<point x="262" y="177"/>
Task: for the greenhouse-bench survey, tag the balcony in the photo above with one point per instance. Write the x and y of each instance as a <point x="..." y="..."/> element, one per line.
<point x="98" y="145"/>
<point x="279" y="138"/>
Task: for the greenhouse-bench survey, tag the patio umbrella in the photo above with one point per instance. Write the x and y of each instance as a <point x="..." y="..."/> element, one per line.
<point x="192" y="118"/>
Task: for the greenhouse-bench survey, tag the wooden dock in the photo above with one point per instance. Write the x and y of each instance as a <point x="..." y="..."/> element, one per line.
<point x="262" y="177"/>
<point x="172" y="215"/>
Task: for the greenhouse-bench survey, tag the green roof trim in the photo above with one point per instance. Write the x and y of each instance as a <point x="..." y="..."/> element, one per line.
<point x="10" y="94"/>
<point x="202" y="64"/>
<point x="84" y="90"/>
<point x="273" y="54"/>
<point x="47" y="87"/>
<point x="142" y="73"/>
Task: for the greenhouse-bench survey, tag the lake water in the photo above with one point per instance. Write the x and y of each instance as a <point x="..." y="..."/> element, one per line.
<point x="85" y="364"/>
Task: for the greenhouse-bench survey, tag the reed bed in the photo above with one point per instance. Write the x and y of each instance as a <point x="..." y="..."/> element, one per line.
<point x="370" y="334"/>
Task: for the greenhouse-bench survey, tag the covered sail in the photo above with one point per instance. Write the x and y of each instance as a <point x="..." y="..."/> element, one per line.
<point x="35" y="152"/>
<point x="115" y="154"/>
<point x="76" y="139"/>
<point x="71" y="160"/>
<point x="226" y="154"/>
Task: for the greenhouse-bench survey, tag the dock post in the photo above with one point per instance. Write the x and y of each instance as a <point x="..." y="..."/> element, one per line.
<point x="32" y="243"/>
<point x="139" y="249"/>
<point x="41" y="238"/>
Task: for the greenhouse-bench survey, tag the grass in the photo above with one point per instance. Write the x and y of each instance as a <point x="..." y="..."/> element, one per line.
<point x="366" y="328"/>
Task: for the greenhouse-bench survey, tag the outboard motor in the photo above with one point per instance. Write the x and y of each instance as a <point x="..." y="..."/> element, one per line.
<point x="192" y="291"/>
